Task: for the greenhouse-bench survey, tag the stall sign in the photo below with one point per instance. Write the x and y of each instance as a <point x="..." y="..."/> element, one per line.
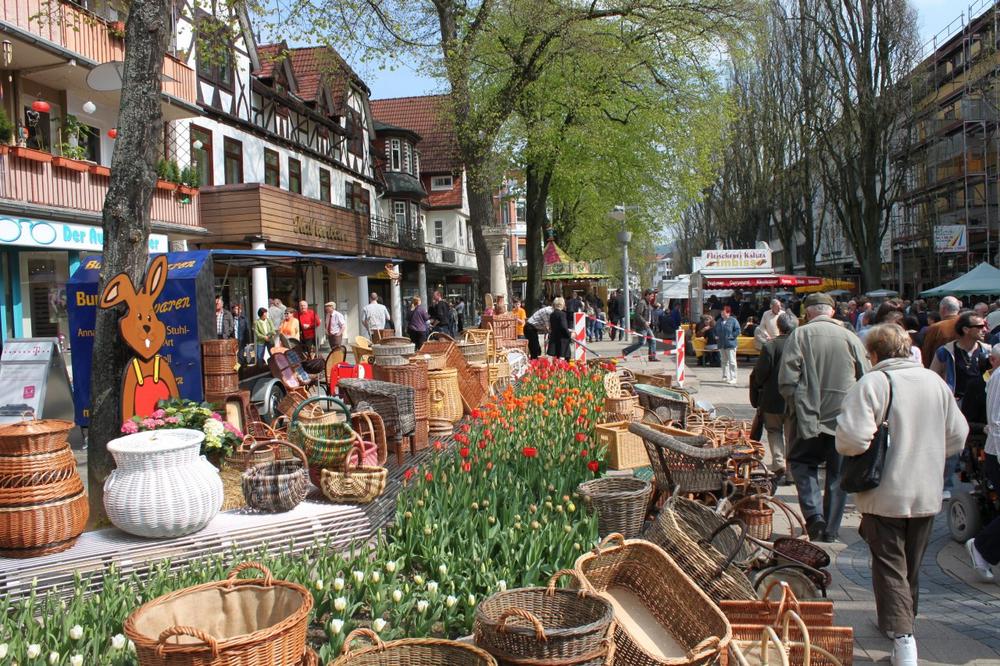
<point x="727" y="260"/>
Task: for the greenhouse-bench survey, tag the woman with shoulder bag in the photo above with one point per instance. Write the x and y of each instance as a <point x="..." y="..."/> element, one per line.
<point x="897" y="515"/>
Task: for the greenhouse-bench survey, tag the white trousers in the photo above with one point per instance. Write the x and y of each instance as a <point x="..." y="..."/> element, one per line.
<point x="728" y="364"/>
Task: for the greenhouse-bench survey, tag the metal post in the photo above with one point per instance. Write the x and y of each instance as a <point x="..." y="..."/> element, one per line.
<point x="624" y="237"/>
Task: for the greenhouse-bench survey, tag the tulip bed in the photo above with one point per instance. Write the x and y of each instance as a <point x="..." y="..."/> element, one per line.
<point x="496" y="510"/>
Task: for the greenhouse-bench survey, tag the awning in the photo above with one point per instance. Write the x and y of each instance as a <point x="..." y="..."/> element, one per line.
<point x="983" y="280"/>
<point x="350" y="264"/>
<point x="829" y="285"/>
<point x="760" y="281"/>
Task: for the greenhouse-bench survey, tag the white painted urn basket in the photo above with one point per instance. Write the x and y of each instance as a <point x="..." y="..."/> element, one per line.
<point x="162" y="486"/>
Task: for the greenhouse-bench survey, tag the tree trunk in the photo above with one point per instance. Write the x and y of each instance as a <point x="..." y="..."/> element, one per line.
<point x="126" y="224"/>
<point x="538" y="179"/>
<point x="481" y="215"/>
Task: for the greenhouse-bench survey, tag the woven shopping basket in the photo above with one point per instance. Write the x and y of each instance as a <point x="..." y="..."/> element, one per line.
<point x="445" y="398"/>
<point x="625" y="449"/>
<point x="356" y="484"/>
<point x="34" y="436"/>
<point x="279" y="485"/>
<point x="536" y="625"/>
<point x="620" y="502"/>
<point x="662" y="617"/>
<point x="249" y="622"/>
<point x="409" y="652"/>
<point x="325" y="440"/>
<point x="371" y="428"/>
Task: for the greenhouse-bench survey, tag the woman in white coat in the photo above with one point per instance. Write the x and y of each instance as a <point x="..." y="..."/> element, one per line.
<point x="925" y="426"/>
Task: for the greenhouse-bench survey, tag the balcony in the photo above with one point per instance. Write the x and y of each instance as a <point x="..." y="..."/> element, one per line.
<point x="87" y="35"/>
<point x="32" y="177"/>
<point x="383" y="231"/>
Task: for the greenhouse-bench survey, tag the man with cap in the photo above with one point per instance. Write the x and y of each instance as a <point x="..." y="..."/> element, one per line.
<point x="820" y="362"/>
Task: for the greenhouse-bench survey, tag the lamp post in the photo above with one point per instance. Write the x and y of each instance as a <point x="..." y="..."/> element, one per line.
<point x="624" y="237"/>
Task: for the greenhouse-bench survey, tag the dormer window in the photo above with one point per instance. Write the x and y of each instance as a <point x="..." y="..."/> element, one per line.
<point x="442" y="183"/>
<point x="394" y="155"/>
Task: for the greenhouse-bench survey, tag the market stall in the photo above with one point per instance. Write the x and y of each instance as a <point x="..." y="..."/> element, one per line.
<point x="983" y="280"/>
<point x="561" y="275"/>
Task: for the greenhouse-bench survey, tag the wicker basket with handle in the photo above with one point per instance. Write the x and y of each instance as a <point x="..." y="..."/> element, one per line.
<point x="250" y="622"/>
<point x="279" y="485"/>
<point x="371" y="428"/>
<point x="662" y="616"/>
<point x="545" y="625"/>
<point x="768" y="612"/>
<point x="620" y="502"/>
<point x="409" y="652"/>
<point x="325" y="440"/>
<point x="444" y="395"/>
<point x="356" y="484"/>
<point x="34" y="436"/>
<point x="816" y="646"/>
<point x="42" y="529"/>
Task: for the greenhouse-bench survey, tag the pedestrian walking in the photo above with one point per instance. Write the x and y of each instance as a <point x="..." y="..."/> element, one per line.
<point x="417" y="322"/>
<point x="821" y="361"/>
<point x="984" y="549"/>
<point x="641" y="327"/>
<point x="727" y="333"/>
<point x="765" y="396"/>
<point x="334" y="324"/>
<point x="897" y="516"/>
<point x="460" y="313"/>
<point x="537" y="324"/>
<point x="559" y="333"/>
<point x="375" y="316"/>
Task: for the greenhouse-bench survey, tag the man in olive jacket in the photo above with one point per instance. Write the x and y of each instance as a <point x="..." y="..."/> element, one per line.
<point x="765" y="396"/>
<point x="820" y="362"/>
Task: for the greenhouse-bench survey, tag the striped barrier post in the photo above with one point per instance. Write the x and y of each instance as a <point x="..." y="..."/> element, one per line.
<point x="679" y="357"/>
<point x="579" y="336"/>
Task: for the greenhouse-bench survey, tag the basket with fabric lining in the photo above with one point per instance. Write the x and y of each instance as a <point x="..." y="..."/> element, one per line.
<point x="245" y="622"/>
<point x="409" y="652"/>
<point x="356" y="484"/>
<point x="370" y="427"/>
<point x="444" y="395"/>
<point x="544" y="623"/>
<point x="278" y="485"/>
<point x="662" y="617"/>
<point x="32" y="436"/>
<point x="42" y="529"/>
<point x="620" y="503"/>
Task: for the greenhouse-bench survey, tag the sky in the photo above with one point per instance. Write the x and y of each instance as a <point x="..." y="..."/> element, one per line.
<point x="401" y="79"/>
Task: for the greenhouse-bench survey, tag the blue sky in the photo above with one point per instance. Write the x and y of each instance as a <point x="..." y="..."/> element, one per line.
<point x="404" y="81"/>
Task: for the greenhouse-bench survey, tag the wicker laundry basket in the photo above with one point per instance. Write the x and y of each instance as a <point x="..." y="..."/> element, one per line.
<point x="444" y="395"/>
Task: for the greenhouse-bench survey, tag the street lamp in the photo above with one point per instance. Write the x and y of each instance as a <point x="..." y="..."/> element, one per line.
<point x="624" y="237"/>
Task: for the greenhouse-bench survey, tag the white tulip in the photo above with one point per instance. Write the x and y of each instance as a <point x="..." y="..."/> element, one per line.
<point x="359" y="576"/>
<point x="338" y="584"/>
<point x="418" y="579"/>
<point x="443" y="570"/>
<point x="340" y="603"/>
<point x="336" y="626"/>
<point x="471" y="600"/>
<point x="390" y="567"/>
<point x="34" y="650"/>
<point x="432" y="587"/>
<point x="131" y="646"/>
<point x="3" y="650"/>
<point x="53" y="657"/>
<point x="319" y="583"/>
<point x="502" y="585"/>
<point x="379" y="624"/>
<point x="397" y="595"/>
<point x="376" y="576"/>
<point x="422" y="605"/>
<point x="76" y="632"/>
<point x="76" y="660"/>
<point x="450" y="601"/>
<point x="117" y="642"/>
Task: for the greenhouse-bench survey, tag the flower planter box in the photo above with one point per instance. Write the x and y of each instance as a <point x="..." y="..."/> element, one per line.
<point x="189" y="191"/>
<point x="166" y="185"/>
<point x="70" y="164"/>
<point x="4" y="149"/>
<point x="31" y="154"/>
<point x="98" y="170"/>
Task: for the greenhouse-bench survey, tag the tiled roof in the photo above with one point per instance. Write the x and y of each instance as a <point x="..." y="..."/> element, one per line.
<point x="441" y="198"/>
<point x="268" y="54"/>
<point x="312" y="65"/>
<point x="429" y="117"/>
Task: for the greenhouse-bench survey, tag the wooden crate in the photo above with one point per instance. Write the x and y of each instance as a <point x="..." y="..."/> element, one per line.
<point x="625" y="450"/>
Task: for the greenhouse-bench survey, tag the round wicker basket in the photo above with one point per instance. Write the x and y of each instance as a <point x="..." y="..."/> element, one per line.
<point x="620" y="502"/>
<point x="34" y="436"/>
<point x="42" y="529"/>
<point x="391" y="361"/>
<point x="394" y="347"/>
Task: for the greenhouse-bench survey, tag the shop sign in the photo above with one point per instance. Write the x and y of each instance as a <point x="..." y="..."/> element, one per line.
<point x="310" y="226"/>
<point x="950" y="238"/>
<point x="748" y="259"/>
<point x="34" y="382"/>
<point x="29" y="232"/>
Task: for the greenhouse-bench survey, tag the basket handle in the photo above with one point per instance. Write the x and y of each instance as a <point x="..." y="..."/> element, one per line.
<point x="606" y="541"/>
<point x="732" y="522"/>
<point x="321" y="398"/>
<point x="580" y="580"/>
<point x="176" y="630"/>
<point x="793" y="617"/>
<point x="362" y="633"/>
<point x="243" y="566"/>
<point x="523" y="614"/>
<point x="299" y="452"/>
<point x="367" y="419"/>
<point x="356" y="446"/>
<point x="704" y="649"/>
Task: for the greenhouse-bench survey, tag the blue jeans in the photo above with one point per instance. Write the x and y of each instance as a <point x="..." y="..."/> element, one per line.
<point x="260" y="353"/>
<point x="638" y="342"/>
<point x="831" y="507"/>
<point x="949" y="471"/>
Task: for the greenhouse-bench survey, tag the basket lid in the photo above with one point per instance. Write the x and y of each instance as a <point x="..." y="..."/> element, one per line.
<point x="34" y="427"/>
<point x="169" y="439"/>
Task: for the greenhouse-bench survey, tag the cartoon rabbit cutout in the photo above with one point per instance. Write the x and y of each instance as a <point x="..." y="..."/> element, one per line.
<point x="148" y="377"/>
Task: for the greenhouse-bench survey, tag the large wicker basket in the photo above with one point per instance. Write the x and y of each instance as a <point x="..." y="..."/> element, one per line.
<point x="445" y="398"/>
<point x="353" y="484"/>
<point x="625" y="449"/>
<point x="254" y="622"/>
<point x="662" y="617"/>
<point x="34" y="436"/>
<point x="410" y="652"/>
<point x="325" y="440"/>
<point x="504" y="327"/>
<point x="474" y="352"/>
<point x="44" y="528"/>
<point x="25" y="470"/>
<point x="412" y="374"/>
<point x="620" y="503"/>
<point x="545" y="625"/>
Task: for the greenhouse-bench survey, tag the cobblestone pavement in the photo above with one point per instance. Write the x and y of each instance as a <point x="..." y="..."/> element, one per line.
<point x="959" y="617"/>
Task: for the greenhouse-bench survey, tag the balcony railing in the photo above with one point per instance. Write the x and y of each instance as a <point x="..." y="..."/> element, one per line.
<point x="385" y="231"/>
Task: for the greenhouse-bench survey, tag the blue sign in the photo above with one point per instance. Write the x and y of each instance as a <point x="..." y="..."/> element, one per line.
<point x="177" y="307"/>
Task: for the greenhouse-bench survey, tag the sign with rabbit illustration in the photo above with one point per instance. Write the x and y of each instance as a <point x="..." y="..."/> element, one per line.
<point x="148" y="377"/>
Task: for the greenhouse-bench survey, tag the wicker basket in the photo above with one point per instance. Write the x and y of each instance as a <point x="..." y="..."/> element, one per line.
<point x="393" y="347"/>
<point x="34" y="436"/>
<point x="826" y="646"/>
<point x="625" y="450"/>
<point x="474" y="352"/>
<point x="654" y="397"/>
<point x="445" y="398"/>
<point x="253" y="452"/>
<point x="421" y="435"/>
<point x="757" y="515"/>
<point x="410" y="652"/>
<point x="42" y="529"/>
<point x="545" y="625"/>
<point x="356" y="484"/>
<point x="662" y="617"/>
<point x="371" y="428"/>
<point x="48" y="487"/>
<point x="440" y="427"/>
<point x="279" y="485"/>
<point x="504" y="327"/>
<point x="683" y="464"/>
<point x="412" y="374"/>
<point x="765" y="611"/>
<point x="247" y="622"/>
<point x="325" y="440"/>
<point x="474" y="386"/>
<point x="620" y="502"/>
<point x="22" y="470"/>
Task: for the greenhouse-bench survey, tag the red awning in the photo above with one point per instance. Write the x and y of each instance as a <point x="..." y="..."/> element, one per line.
<point x="738" y="282"/>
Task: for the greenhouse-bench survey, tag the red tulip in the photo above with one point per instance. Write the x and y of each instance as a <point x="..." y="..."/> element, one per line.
<point x="428" y="477"/>
<point x="466" y="427"/>
<point x="482" y="445"/>
<point x="438" y="445"/>
<point x="594" y="466"/>
<point x="581" y="437"/>
<point x="464" y="452"/>
<point x="583" y="454"/>
<point x="530" y="452"/>
<point x="466" y="467"/>
<point x="408" y="474"/>
<point x="476" y="414"/>
<point x="489" y="465"/>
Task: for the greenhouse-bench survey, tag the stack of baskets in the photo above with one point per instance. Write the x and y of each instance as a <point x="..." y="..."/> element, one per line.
<point x="43" y="506"/>
<point x="415" y="374"/>
<point x="393" y="351"/>
<point x="445" y="398"/>
<point x="620" y="401"/>
<point x="219" y="365"/>
<point x="474" y="352"/>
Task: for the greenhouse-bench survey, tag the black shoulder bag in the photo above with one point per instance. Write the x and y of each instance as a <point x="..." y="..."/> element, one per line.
<point x="864" y="472"/>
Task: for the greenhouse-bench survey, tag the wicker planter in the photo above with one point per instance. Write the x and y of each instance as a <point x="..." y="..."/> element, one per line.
<point x="235" y="621"/>
<point x="409" y="652"/>
<point x="162" y="487"/>
<point x="393" y="347"/>
<point x="620" y="502"/>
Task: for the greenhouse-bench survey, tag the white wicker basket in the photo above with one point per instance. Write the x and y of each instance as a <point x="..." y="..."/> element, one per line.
<point x="162" y="487"/>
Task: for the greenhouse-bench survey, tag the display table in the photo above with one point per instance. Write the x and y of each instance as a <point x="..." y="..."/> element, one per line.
<point x="744" y="346"/>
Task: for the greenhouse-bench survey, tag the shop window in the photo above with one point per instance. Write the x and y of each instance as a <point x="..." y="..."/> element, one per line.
<point x="294" y="176"/>
<point x="439" y="232"/>
<point x="324" y="185"/>
<point x="202" y="157"/>
<point x="272" y="168"/>
<point x="233" y="161"/>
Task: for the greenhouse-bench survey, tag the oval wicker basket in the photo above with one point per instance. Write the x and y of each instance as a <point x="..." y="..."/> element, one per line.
<point x="390" y="361"/>
<point x="620" y="502"/>
<point x="44" y="528"/>
<point x="440" y="427"/>
<point x="544" y="623"/>
<point x="410" y="651"/>
<point x="393" y="347"/>
<point x="278" y="485"/>
<point x="22" y="470"/>
<point x="221" y="385"/>
<point x="48" y="488"/>
<point x="240" y="621"/>
<point x="444" y="395"/>
<point x="34" y="436"/>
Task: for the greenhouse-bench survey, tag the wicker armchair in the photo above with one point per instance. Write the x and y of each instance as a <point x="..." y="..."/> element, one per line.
<point x="680" y="464"/>
<point x="653" y="398"/>
<point x="393" y="402"/>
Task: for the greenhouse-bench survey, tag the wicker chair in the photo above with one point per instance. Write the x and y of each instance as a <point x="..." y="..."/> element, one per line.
<point x="680" y="464"/>
<point x="393" y="402"/>
<point x="654" y="398"/>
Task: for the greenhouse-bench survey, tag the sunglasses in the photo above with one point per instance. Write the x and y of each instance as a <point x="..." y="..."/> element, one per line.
<point x="977" y="325"/>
